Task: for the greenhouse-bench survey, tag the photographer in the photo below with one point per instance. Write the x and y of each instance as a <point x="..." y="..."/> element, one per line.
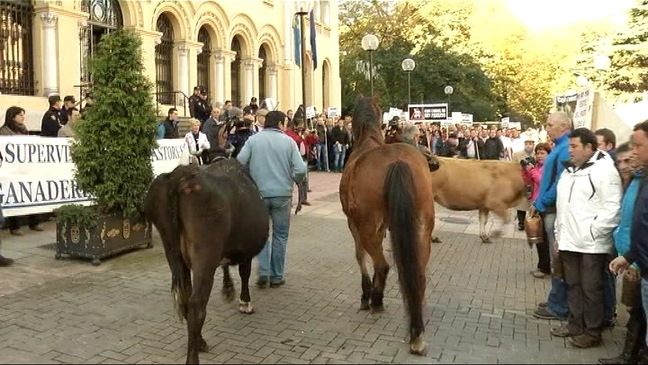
<point x="524" y="158"/>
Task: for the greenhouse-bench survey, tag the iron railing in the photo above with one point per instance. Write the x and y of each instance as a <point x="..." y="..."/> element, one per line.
<point x="164" y="61"/>
<point x="176" y="99"/>
<point x="16" y="48"/>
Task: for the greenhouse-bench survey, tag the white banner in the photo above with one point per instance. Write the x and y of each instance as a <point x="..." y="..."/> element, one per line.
<point x="37" y="173"/>
<point x="584" y="109"/>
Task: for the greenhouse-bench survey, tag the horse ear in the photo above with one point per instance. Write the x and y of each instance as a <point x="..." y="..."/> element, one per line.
<point x="376" y="98"/>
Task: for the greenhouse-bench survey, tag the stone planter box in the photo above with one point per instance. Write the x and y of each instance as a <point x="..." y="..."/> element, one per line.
<point x="113" y="234"/>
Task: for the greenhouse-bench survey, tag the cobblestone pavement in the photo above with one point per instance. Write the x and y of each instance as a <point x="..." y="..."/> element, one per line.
<point x="479" y="303"/>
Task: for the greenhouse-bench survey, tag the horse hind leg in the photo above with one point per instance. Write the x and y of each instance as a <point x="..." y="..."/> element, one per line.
<point x="197" y="311"/>
<point x="361" y="258"/>
<point x="228" y="290"/>
<point x="245" y="303"/>
<point x="381" y="271"/>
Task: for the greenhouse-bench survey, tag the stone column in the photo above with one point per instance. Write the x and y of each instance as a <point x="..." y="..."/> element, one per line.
<point x="249" y="77"/>
<point x="183" y="68"/>
<point x="271" y="73"/>
<point x="219" y="77"/>
<point x="223" y="75"/>
<point x="50" y="54"/>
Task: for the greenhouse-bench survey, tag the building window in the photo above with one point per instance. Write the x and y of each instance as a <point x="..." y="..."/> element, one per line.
<point x="326" y="12"/>
<point x="262" y="73"/>
<point x="104" y="16"/>
<point x="16" y="57"/>
<point x="204" y="60"/>
<point x="236" y="72"/>
<point x="164" y="61"/>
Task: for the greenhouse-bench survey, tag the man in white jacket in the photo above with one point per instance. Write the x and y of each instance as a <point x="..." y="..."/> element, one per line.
<point x="588" y="209"/>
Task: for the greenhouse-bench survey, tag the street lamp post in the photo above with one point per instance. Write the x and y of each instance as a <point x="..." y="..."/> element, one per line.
<point x="408" y="66"/>
<point x="370" y="43"/>
<point x="602" y="63"/>
<point x="448" y="91"/>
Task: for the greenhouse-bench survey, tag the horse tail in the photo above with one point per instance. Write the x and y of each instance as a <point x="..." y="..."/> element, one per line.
<point x="180" y="272"/>
<point x="403" y="228"/>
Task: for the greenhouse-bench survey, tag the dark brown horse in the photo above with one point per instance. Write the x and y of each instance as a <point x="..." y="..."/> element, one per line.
<point x="388" y="186"/>
<point x="207" y="216"/>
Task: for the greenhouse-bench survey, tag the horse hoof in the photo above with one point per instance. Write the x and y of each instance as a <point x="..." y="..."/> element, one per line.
<point x="228" y="294"/>
<point x="485" y="239"/>
<point x="203" y="347"/>
<point x="418" y="347"/>
<point x="246" y="308"/>
<point x="364" y="306"/>
<point x="436" y="240"/>
<point x="377" y="308"/>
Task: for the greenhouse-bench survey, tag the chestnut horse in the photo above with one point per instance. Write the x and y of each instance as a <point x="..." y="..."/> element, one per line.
<point x="388" y="186"/>
<point x="207" y="216"/>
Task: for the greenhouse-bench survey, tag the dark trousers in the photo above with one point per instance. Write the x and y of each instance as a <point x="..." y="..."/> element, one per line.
<point x="584" y="275"/>
<point x="544" y="256"/>
<point x="302" y="190"/>
<point x="14" y="222"/>
<point x="521" y="216"/>
<point x="636" y="332"/>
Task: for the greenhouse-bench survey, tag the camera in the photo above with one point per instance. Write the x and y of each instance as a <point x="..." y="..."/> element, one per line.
<point x="529" y="160"/>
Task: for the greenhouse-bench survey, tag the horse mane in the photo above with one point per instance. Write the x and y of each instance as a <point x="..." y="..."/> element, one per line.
<point x="366" y="117"/>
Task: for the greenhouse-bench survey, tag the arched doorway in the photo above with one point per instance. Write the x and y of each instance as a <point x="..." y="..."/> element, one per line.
<point x="263" y="80"/>
<point x="326" y="85"/>
<point x="164" y="61"/>
<point x="204" y="60"/>
<point x="236" y="72"/>
<point x="104" y="16"/>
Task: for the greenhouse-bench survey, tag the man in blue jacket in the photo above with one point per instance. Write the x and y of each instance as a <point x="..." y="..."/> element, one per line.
<point x="275" y="165"/>
<point x="558" y="128"/>
<point x="638" y="253"/>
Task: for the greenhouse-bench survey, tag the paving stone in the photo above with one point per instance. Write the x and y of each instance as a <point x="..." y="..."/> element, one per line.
<point x="478" y="307"/>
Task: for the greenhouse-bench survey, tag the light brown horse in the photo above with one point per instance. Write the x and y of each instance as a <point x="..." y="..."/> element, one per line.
<point x="388" y="186"/>
<point x="483" y="185"/>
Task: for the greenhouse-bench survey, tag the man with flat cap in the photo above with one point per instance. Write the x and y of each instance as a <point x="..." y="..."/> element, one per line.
<point x="51" y="122"/>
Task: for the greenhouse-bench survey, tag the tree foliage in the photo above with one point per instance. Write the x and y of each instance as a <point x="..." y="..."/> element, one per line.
<point x="116" y="136"/>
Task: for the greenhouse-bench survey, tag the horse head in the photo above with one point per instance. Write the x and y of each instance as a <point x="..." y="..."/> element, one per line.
<point x="367" y="116"/>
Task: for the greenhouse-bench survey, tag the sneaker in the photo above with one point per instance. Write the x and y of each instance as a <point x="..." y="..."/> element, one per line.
<point x="276" y="284"/>
<point x="539" y="275"/>
<point x="562" y="331"/>
<point x="543" y="313"/>
<point x="4" y="261"/>
<point x="262" y="282"/>
<point x="542" y="305"/>
<point x="37" y="228"/>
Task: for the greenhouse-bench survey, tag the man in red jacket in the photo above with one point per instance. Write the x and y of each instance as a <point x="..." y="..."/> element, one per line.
<point x="293" y="131"/>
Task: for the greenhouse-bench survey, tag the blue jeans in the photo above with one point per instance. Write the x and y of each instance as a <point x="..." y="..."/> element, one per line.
<point x="557" y="300"/>
<point x="273" y="256"/>
<point x="339" y="157"/>
<point x="322" y="157"/>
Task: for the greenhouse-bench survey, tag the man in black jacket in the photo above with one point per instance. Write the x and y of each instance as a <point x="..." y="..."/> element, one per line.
<point x="51" y="122"/>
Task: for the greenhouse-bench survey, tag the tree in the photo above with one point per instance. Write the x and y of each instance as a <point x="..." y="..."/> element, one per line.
<point x="116" y="136"/>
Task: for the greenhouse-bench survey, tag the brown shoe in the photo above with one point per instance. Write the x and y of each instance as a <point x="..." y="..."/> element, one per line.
<point x="585" y="341"/>
<point x="37" y="228"/>
<point x="262" y="282"/>
<point x="4" y="261"/>
<point x="562" y="331"/>
<point x="16" y="232"/>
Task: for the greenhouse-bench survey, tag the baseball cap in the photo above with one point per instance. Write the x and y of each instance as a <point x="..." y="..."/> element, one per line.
<point x="54" y="98"/>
